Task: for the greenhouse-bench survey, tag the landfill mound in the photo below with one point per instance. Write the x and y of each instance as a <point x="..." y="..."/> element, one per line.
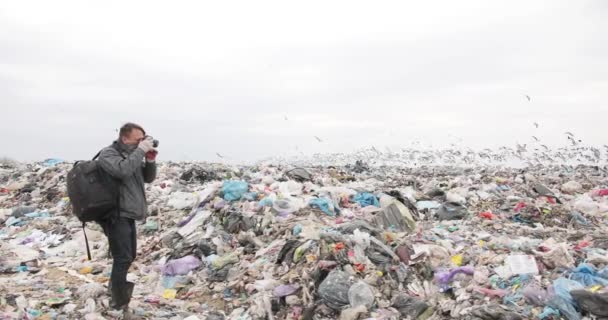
<point x="340" y="242"/>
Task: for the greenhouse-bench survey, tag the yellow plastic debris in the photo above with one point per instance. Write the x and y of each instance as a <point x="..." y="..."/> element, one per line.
<point x="169" y="293"/>
<point x="86" y="270"/>
<point x="457" y="260"/>
<point x="596" y="288"/>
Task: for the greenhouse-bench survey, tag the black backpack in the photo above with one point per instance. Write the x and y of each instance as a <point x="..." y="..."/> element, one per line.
<point x="94" y="194"/>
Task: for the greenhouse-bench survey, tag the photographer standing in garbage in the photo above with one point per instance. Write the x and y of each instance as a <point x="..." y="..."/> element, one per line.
<point x="124" y="161"/>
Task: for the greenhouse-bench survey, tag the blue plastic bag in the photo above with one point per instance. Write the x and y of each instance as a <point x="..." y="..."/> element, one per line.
<point x="323" y="205"/>
<point x="565" y="308"/>
<point x="563" y="286"/>
<point x="367" y="199"/>
<point x="587" y="275"/>
<point x="234" y="190"/>
<point x="266" y="202"/>
<point x="548" y="313"/>
<point x="251" y="196"/>
<point x="52" y="162"/>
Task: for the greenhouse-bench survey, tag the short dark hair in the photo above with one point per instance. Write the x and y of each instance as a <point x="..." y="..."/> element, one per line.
<point x="126" y="129"/>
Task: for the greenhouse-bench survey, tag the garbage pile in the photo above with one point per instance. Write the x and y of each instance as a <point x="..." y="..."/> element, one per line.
<point x="342" y="242"/>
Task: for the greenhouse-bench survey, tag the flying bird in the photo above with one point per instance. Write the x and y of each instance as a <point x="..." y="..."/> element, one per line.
<point x="535" y="138"/>
<point x="219" y="155"/>
<point x="528" y="97"/>
<point x="536" y="125"/>
<point x="286" y="118"/>
<point x="574" y="142"/>
<point x="318" y="139"/>
<point x="569" y="133"/>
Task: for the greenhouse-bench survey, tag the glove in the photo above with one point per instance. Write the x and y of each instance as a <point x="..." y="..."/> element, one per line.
<point x="151" y="155"/>
<point x="146" y="145"/>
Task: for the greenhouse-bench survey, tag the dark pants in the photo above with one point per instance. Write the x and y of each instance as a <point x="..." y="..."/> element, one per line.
<point x="122" y="237"/>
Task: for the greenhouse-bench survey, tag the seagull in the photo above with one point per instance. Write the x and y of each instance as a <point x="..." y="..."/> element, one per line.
<point x="286" y="118"/>
<point x="536" y="125"/>
<point x="528" y="97"/>
<point x="574" y="142"/>
<point x="569" y="133"/>
<point x="318" y="139"/>
<point x="219" y="155"/>
<point x="535" y="138"/>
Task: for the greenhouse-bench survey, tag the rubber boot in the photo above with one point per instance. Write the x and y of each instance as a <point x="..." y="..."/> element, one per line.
<point x="122" y="296"/>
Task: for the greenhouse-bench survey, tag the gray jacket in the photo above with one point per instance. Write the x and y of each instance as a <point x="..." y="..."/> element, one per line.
<point x="132" y="171"/>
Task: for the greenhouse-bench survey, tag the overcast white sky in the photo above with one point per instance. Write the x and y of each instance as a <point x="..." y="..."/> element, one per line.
<point x="206" y="77"/>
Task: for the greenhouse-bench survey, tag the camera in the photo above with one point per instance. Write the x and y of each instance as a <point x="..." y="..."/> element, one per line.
<point x="154" y="141"/>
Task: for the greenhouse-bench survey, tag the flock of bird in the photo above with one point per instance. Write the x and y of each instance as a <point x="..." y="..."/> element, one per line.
<point x="535" y="154"/>
<point x="413" y="157"/>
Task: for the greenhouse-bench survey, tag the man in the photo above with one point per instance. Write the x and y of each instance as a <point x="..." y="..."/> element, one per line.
<point x="124" y="160"/>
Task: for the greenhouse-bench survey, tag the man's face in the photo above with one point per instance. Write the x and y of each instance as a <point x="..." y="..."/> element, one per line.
<point x="133" y="138"/>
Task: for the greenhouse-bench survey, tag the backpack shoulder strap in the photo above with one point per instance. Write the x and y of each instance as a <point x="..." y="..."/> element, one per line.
<point x="86" y="240"/>
<point x="111" y="146"/>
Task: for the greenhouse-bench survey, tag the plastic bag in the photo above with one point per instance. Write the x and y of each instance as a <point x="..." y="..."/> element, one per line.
<point x="409" y="306"/>
<point x="396" y="217"/>
<point x="603" y="273"/>
<point x="422" y="205"/>
<point x="571" y="187"/>
<point x="563" y="286"/>
<point x="234" y="190"/>
<point x="182" y="200"/>
<point x="285" y="290"/>
<point x="362" y="242"/>
<point x="599" y="193"/>
<point x="21" y="211"/>
<point x="250" y="196"/>
<point x="323" y="205"/>
<point x="290" y="188"/>
<point x="586" y="205"/>
<point x="361" y="294"/>
<point x="445" y="277"/>
<point x="299" y="174"/>
<point x="366" y="199"/>
<point x="452" y="211"/>
<point x="565" y="307"/>
<point x="222" y="261"/>
<point x="334" y="289"/>
<point x="287" y="205"/>
<point x="90" y="290"/>
<point x="266" y="202"/>
<point x="181" y="266"/>
<point x="535" y="295"/>
<point x="487" y="215"/>
<point x="491" y="293"/>
<point x="587" y="275"/>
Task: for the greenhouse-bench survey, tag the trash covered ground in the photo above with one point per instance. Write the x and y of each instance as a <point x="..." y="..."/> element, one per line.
<point x="353" y="241"/>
